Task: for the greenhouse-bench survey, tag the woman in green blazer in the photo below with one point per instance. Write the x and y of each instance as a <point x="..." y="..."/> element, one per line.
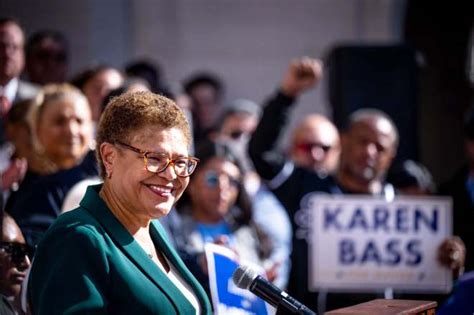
<point x="111" y="256"/>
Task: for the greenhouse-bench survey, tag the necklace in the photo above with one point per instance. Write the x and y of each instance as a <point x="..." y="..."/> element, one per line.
<point x="151" y="253"/>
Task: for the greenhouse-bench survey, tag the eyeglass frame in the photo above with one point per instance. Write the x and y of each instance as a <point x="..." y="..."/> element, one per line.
<point x="168" y="163"/>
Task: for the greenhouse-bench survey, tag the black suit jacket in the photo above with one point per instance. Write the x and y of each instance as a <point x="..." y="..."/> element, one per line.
<point x="25" y="91"/>
<point x="463" y="212"/>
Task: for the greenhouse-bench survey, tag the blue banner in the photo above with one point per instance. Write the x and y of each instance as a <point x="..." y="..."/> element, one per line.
<point x="227" y="298"/>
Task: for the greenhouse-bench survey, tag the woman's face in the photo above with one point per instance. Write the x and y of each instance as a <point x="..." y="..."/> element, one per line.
<point x="64" y="130"/>
<point x="214" y="189"/>
<point x="143" y="194"/>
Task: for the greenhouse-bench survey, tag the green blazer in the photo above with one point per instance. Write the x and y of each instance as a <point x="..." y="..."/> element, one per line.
<point x="88" y="263"/>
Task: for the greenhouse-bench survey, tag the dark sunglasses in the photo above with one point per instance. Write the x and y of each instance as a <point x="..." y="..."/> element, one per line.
<point x="16" y="251"/>
<point x="308" y="146"/>
<point x="212" y="180"/>
<point x="237" y="134"/>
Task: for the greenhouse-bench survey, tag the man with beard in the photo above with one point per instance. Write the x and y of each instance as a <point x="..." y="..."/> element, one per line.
<point x="368" y="146"/>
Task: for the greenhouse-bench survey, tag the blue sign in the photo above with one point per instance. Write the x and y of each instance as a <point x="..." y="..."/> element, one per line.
<point x="227" y="298"/>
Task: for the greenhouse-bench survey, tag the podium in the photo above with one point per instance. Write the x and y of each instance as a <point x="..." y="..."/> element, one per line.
<point x="388" y="307"/>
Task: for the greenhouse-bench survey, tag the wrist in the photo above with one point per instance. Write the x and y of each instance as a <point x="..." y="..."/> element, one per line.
<point x="290" y="91"/>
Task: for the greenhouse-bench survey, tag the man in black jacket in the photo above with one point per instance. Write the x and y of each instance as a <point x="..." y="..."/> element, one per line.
<point x="368" y="146"/>
<point x="461" y="189"/>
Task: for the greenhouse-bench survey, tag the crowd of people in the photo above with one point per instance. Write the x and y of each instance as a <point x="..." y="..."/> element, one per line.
<point x="128" y="140"/>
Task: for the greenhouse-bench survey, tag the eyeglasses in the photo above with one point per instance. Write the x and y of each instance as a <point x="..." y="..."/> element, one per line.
<point x="308" y="146"/>
<point x="156" y="162"/>
<point x="212" y="180"/>
<point x="17" y="251"/>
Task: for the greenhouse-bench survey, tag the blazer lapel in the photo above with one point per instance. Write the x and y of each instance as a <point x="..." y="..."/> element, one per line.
<point x="125" y="241"/>
<point x="160" y="238"/>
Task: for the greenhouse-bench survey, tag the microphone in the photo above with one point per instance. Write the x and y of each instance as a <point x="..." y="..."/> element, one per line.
<point x="246" y="278"/>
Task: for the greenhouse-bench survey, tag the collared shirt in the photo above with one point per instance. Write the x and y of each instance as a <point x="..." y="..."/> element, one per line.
<point x="10" y="89"/>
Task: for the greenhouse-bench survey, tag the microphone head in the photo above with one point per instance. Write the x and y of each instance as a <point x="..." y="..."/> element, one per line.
<point x="243" y="277"/>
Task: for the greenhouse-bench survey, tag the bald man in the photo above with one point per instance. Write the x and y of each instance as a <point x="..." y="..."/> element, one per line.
<point x="315" y="144"/>
<point x="368" y="146"/>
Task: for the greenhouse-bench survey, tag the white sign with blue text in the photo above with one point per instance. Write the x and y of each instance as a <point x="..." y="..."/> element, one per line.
<point x="362" y="243"/>
<point x="227" y="298"/>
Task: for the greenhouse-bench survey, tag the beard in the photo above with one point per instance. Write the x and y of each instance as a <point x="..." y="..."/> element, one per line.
<point x="368" y="173"/>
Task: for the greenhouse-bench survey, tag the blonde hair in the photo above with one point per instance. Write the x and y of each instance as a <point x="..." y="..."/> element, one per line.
<point x="49" y="94"/>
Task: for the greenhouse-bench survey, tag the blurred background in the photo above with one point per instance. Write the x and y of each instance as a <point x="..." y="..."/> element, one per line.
<point x="422" y="50"/>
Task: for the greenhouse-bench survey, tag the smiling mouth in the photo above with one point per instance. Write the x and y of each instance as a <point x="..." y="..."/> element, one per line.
<point x="161" y="191"/>
<point x="71" y="143"/>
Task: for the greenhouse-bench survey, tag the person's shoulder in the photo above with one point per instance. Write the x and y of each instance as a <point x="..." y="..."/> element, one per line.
<point x="460" y="302"/>
<point x="77" y="221"/>
<point x="75" y="239"/>
<point x="71" y="218"/>
<point x="467" y="281"/>
<point x="6" y="308"/>
<point x="457" y="181"/>
<point x="76" y="229"/>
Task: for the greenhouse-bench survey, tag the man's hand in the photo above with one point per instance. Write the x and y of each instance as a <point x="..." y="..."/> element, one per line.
<point x="452" y="254"/>
<point x="302" y="74"/>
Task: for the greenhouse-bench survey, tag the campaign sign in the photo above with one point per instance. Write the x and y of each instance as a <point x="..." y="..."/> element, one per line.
<point x="227" y="298"/>
<point x="362" y="243"/>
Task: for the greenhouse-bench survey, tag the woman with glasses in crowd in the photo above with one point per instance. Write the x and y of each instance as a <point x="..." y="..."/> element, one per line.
<point x="217" y="209"/>
<point x="110" y="256"/>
